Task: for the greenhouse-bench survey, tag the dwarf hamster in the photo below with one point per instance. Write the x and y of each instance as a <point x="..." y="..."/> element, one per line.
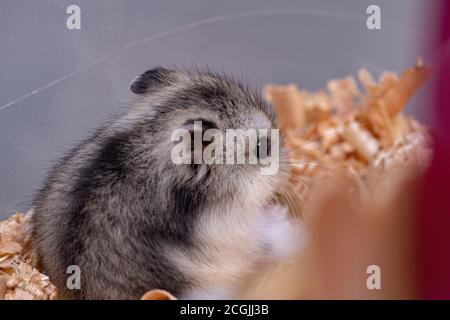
<point x="117" y="207"/>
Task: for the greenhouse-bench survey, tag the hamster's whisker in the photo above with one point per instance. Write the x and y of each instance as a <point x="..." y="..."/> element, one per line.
<point x="307" y="184"/>
<point x="290" y="196"/>
<point x="315" y="139"/>
<point x="308" y="163"/>
<point x="304" y="179"/>
<point x="289" y="201"/>
<point x="303" y="165"/>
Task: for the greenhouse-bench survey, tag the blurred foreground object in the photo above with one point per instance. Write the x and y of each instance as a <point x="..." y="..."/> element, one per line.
<point x="434" y="216"/>
<point x="347" y="239"/>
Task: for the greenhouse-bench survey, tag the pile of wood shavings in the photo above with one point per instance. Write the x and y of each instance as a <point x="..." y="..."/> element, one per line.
<point x="342" y="130"/>
<point x="19" y="280"/>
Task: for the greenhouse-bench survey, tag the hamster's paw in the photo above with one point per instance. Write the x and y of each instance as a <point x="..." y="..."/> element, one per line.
<point x="283" y="236"/>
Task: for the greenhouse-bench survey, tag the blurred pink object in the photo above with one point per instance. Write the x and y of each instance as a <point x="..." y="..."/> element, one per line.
<point x="434" y="211"/>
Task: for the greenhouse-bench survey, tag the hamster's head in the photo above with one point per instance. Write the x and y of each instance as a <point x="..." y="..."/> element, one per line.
<point x="208" y="133"/>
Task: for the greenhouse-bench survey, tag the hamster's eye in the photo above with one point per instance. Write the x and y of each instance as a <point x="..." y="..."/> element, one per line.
<point x="197" y="128"/>
<point x="263" y="148"/>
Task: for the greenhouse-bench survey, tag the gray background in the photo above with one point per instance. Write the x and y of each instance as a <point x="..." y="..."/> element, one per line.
<point x="64" y="82"/>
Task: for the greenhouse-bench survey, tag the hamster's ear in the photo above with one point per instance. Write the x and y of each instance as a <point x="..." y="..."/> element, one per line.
<point x="150" y="79"/>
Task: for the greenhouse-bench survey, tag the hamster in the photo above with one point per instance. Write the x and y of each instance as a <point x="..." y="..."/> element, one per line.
<point x="117" y="207"/>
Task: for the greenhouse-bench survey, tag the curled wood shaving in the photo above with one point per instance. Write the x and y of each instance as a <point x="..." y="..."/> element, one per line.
<point x="288" y="99"/>
<point x="343" y="93"/>
<point x="361" y="139"/>
<point x="158" y="294"/>
<point x="396" y="93"/>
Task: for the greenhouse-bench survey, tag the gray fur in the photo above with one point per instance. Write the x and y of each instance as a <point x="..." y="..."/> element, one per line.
<point x="117" y="206"/>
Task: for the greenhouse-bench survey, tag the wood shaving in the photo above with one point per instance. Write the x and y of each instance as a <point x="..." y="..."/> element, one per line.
<point x="343" y="92"/>
<point x="360" y="139"/>
<point x="157" y="294"/>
